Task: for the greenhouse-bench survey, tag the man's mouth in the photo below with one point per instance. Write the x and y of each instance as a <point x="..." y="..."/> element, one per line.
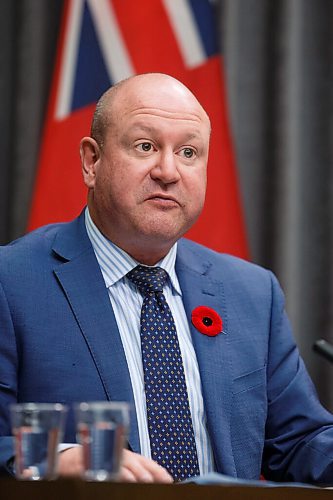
<point x="163" y="199"/>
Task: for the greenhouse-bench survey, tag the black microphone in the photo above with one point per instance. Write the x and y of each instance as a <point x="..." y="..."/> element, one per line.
<point x="324" y="348"/>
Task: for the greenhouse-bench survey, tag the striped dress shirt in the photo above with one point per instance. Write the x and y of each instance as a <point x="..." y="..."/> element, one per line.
<point x="126" y="302"/>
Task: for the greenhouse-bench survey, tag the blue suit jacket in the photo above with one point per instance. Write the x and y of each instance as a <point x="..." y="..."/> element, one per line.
<point x="59" y="341"/>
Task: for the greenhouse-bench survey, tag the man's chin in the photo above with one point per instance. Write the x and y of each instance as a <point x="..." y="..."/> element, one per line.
<point x="164" y="230"/>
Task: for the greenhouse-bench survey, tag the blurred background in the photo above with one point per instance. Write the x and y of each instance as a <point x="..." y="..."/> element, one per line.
<point x="277" y="65"/>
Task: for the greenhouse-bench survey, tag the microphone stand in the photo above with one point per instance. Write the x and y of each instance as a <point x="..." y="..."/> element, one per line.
<point x="324" y="348"/>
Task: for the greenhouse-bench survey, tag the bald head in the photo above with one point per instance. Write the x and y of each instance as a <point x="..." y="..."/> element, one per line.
<point x="149" y="91"/>
<point x="145" y="164"/>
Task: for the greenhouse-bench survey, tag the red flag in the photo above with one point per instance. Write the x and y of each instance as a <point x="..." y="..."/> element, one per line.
<point x="104" y="41"/>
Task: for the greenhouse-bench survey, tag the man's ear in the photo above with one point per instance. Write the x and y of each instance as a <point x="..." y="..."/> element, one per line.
<point x="90" y="156"/>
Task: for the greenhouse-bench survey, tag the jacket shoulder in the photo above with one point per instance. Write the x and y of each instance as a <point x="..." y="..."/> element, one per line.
<point x="219" y="263"/>
<point x="36" y="241"/>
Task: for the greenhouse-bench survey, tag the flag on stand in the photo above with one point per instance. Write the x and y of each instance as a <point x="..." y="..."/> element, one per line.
<point x="104" y="41"/>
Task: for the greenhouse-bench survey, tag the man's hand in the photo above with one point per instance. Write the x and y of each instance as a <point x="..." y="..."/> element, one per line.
<point x="135" y="467"/>
<point x="70" y="462"/>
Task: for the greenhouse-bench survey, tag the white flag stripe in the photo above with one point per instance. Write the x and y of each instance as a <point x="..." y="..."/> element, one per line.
<point x="186" y="31"/>
<point x="115" y="54"/>
<point x="69" y="61"/>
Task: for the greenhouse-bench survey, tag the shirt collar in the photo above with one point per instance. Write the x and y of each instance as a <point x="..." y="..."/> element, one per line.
<point x="115" y="263"/>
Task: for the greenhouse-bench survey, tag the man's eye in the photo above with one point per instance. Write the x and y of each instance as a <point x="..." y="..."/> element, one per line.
<point x="188" y="152"/>
<point x="145" y="146"/>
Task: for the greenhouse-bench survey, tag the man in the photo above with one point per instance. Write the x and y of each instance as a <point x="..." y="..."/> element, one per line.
<point x="70" y="312"/>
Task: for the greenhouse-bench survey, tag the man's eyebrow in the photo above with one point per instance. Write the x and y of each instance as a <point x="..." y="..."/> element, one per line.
<point x="142" y="126"/>
<point x="194" y="135"/>
<point x="149" y="129"/>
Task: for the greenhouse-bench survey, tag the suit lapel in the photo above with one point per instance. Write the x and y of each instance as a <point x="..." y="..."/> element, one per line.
<point x="199" y="289"/>
<point x="82" y="282"/>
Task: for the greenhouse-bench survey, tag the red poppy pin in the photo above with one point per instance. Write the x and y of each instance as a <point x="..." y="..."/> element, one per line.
<point x="207" y="321"/>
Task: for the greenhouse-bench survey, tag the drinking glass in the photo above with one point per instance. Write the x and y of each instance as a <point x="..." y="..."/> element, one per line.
<point x="37" y="430"/>
<point x="102" y="429"/>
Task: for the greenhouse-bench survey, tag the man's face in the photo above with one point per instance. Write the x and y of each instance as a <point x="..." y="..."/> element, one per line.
<point x="151" y="176"/>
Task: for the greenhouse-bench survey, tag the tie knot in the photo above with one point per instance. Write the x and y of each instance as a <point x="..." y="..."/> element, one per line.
<point x="148" y="279"/>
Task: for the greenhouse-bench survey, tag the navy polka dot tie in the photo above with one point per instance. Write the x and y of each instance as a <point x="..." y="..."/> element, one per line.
<point x="169" y="418"/>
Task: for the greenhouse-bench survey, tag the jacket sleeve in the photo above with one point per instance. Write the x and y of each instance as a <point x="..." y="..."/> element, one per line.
<point x="8" y="383"/>
<point x="299" y="431"/>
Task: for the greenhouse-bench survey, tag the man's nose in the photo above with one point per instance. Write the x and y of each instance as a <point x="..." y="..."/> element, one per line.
<point x="165" y="168"/>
